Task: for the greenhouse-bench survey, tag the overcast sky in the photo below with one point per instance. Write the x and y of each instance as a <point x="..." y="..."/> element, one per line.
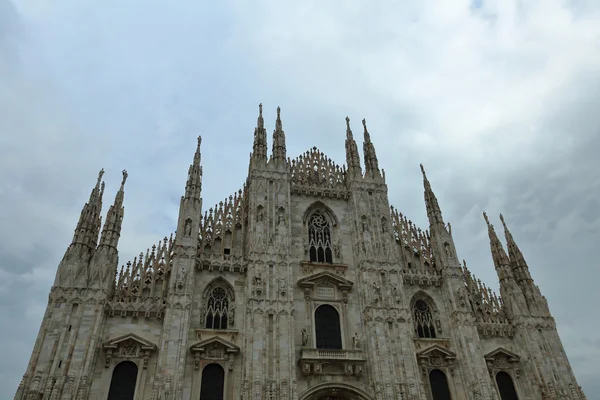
<point x="498" y="99"/>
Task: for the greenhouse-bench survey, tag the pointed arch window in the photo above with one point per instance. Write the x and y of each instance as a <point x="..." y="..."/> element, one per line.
<point x="122" y="384"/>
<point x="217" y="309"/>
<point x="424" y="323"/>
<point x="506" y="386"/>
<point x="213" y="382"/>
<point x="319" y="239"/>
<point x="327" y="327"/>
<point x="439" y="385"/>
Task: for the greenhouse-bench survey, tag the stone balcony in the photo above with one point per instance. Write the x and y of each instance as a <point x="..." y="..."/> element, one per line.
<point x="332" y="361"/>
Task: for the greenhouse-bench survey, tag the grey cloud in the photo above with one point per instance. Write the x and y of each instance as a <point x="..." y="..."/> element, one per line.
<point x="502" y="113"/>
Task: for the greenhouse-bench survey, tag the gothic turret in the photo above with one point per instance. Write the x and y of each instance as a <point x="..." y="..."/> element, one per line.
<point x="352" y="157"/>
<point x="512" y="295"/>
<point x="279" y="151"/>
<point x="433" y="208"/>
<point x="535" y="301"/>
<point x="85" y="239"/>
<point x="259" y="148"/>
<point x="103" y="267"/>
<point x="88" y="226"/>
<point x="190" y="208"/>
<point x="114" y="218"/>
<point x="520" y="268"/>
<point x="441" y="234"/>
<point x="193" y="186"/>
<point x="371" y="163"/>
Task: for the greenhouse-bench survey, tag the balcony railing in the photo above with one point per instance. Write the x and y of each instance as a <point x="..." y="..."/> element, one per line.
<point x="332" y="361"/>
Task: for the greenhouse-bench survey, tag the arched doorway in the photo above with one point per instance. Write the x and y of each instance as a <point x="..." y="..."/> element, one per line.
<point x="213" y="382"/>
<point x="327" y="328"/>
<point x="506" y="386"/>
<point x="439" y="385"/>
<point x="122" y="383"/>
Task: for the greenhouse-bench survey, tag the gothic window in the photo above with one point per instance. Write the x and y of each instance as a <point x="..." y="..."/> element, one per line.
<point x="327" y="328"/>
<point x="439" y="385"/>
<point x="424" y="324"/>
<point x="217" y="309"/>
<point x="122" y="384"/>
<point x="213" y="382"/>
<point x="319" y="239"/>
<point x="506" y="386"/>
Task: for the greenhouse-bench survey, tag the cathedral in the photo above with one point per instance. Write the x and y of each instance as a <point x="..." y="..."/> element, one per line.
<point x="306" y="284"/>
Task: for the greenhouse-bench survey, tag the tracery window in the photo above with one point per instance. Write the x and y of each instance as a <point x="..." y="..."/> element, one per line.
<point x="424" y="323"/>
<point x="439" y="385"/>
<point x="217" y="309"/>
<point x="319" y="239"/>
<point x="327" y="327"/>
<point x="505" y="386"/>
<point x="122" y="384"/>
<point x="213" y="382"/>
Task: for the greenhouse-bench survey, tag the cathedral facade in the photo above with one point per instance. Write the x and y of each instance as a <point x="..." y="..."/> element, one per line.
<point x="304" y="285"/>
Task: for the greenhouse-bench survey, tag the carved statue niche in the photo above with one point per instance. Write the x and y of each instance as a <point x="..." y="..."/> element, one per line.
<point x="188" y="227"/>
<point x="281" y="216"/>
<point x="259" y="284"/>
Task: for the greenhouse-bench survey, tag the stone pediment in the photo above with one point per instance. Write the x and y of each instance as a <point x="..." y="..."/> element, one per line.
<point x="213" y="343"/>
<point x="502" y="353"/>
<point x="311" y="281"/>
<point x="436" y="349"/>
<point x="215" y="349"/>
<point x="129" y="339"/>
<point x="128" y="346"/>
<point x="436" y="356"/>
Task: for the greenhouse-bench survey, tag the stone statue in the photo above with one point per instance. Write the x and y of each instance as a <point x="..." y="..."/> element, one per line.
<point x="356" y="341"/>
<point x="188" y="227"/>
<point x="304" y="337"/>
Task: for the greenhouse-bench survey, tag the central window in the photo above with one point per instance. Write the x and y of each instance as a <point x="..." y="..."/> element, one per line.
<point x="319" y="239"/>
<point x="327" y="328"/>
<point x="217" y="309"/>
<point x="423" y="320"/>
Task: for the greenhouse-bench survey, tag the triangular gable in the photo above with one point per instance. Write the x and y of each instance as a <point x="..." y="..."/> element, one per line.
<point x="202" y="345"/>
<point x="502" y="352"/>
<point x="432" y="350"/>
<point x="143" y="343"/>
<point x="325" y="276"/>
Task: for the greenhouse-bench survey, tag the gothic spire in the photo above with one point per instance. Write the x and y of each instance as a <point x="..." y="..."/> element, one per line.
<point x="259" y="149"/>
<point x="352" y="157"/>
<point x="89" y="223"/>
<point x="520" y="267"/>
<point x="193" y="186"/>
<point x="114" y="218"/>
<point x="371" y="163"/>
<point x="279" y="151"/>
<point x="501" y="261"/>
<point x="433" y="209"/>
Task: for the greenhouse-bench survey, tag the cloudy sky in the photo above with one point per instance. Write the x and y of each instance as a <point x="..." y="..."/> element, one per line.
<point x="498" y="98"/>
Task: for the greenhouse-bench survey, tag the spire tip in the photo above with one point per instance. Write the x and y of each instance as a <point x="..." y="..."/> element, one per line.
<point x="125" y="174"/>
<point x="487" y="221"/>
